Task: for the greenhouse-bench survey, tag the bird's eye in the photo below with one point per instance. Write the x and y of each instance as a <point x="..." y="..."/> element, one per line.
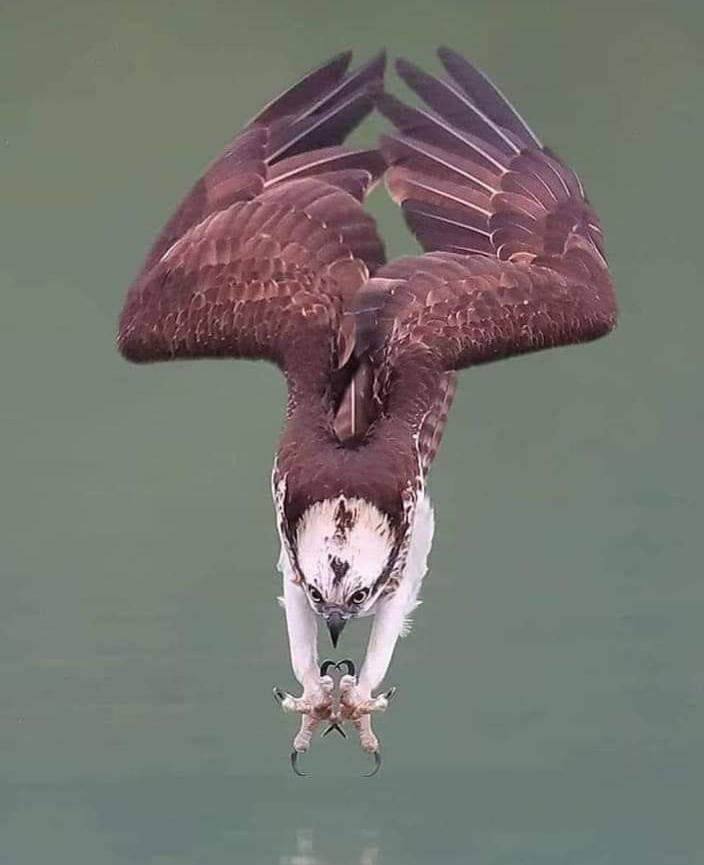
<point x="359" y="596"/>
<point x="315" y="594"/>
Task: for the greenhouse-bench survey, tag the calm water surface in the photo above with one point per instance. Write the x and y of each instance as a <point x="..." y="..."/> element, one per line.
<point x="551" y="694"/>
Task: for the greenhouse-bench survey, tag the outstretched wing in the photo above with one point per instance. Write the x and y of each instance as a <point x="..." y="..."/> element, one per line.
<point x="514" y="259"/>
<point x="263" y="256"/>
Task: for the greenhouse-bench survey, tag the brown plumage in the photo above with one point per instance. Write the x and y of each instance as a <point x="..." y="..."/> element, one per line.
<point x="272" y="256"/>
<point x="271" y="243"/>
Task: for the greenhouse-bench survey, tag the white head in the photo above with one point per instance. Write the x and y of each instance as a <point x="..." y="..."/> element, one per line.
<point x="345" y="550"/>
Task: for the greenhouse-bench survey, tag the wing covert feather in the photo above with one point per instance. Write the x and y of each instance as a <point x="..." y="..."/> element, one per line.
<point x="265" y="253"/>
<point x="514" y="259"/>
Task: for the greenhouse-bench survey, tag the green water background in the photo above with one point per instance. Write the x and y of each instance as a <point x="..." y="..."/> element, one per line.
<point x="551" y="695"/>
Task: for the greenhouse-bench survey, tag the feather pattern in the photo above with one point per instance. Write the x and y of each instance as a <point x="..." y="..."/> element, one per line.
<point x="271" y="255"/>
<point x="433" y="426"/>
<point x="265" y="253"/>
<point x="514" y="259"/>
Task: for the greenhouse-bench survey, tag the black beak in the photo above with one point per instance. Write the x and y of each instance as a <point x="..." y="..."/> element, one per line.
<point x="336" y="622"/>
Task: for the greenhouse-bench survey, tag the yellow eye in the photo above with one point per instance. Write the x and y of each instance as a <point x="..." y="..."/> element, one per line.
<point x="315" y="594"/>
<point x="359" y="596"/>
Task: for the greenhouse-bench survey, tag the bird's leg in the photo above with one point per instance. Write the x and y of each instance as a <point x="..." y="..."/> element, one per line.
<point x="313" y="712"/>
<point x="390" y="622"/>
<point x="316" y="702"/>
<point x="356" y="700"/>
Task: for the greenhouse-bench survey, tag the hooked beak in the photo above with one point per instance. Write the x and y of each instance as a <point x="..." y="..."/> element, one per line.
<point x="336" y="622"/>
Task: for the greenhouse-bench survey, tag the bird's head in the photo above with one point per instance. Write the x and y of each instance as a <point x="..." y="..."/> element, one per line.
<point x="346" y="550"/>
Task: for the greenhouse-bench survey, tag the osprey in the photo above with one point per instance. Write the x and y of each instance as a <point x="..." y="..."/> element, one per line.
<point x="271" y="255"/>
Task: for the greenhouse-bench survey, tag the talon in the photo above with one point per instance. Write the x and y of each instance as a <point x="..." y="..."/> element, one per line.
<point x="336" y="727"/>
<point x="286" y="701"/>
<point x="390" y="694"/>
<point x="348" y="664"/>
<point x="294" y="765"/>
<point x="377" y="765"/>
<point x="325" y="666"/>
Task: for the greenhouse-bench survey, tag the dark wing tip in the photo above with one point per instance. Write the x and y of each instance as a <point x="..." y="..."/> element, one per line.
<point x="408" y="71"/>
<point x="377" y="62"/>
<point x="449" y="55"/>
<point x="339" y="62"/>
<point x="344" y="57"/>
<point x="392" y="108"/>
<point x="320" y="79"/>
<point x="486" y="95"/>
<point x="368" y="79"/>
<point x="333" y="68"/>
<point x="401" y="64"/>
<point x="370" y="75"/>
<point x="467" y="76"/>
<point x="457" y="66"/>
<point x="322" y="108"/>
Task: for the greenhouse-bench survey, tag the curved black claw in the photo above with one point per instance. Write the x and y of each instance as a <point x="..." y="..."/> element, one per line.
<point x="348" y="664"/>
<point x="325" y="666"/>
<point x="294" y="765"/>
<point x="279" y="695"/>
<point x="336" y="727"/>
<point x="377" y="766"/>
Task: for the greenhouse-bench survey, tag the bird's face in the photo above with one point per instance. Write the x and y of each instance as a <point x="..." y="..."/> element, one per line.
<point x="345" y="550"/>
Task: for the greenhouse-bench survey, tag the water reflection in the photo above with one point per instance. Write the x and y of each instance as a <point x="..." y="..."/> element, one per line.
<point x="305" y="853"/>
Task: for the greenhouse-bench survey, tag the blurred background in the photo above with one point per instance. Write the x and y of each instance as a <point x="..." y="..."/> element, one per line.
<point x="551" y="693"/>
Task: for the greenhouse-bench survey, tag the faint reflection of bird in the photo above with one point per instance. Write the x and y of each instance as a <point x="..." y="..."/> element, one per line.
<point x="271" y="255"/>
<point x="305" y="852"/>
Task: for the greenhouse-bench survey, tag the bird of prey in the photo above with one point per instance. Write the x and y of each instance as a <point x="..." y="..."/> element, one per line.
<point x="271" y="255"/>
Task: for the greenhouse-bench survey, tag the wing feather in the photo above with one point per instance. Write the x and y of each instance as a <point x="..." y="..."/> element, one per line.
<point x="265" y="253"/>
<point x="514" y="259"/>
<point x="486" y="95"/>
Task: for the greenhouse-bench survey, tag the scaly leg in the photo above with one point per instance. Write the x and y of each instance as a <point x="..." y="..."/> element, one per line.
<point x="356" y="700"/>
<point x="316" y="702"/>
<point x="390" y="622"/>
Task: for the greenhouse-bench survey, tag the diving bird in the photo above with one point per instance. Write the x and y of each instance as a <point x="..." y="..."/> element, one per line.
<point x="271" y="255"/>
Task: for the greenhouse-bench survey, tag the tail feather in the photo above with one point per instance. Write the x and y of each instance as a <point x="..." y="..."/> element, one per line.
<point x="358" y="408"/>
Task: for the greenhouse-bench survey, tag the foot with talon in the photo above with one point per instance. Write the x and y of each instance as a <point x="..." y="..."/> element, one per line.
<point x="357" y="705"/>
<point x="318" y="704"/>
<point x="355" y="702"/>
<point x="315" y="705"/>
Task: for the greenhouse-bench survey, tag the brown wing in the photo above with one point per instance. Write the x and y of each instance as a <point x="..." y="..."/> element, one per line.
<point x="514" y="258"/>
<point x="264" y="254"/>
